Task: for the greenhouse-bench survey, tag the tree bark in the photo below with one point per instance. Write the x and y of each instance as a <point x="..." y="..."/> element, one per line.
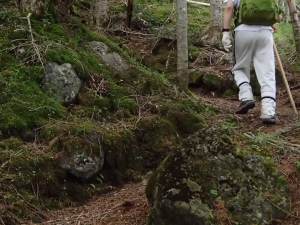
<point x="36" y="7"/>
<point x="295" y="23"/>
<point x="98" y="12"/>
<point x="63" y="6"/>
<point x="129" y="13"/>
<point x="182" y="44"/>
<point x="286" y="12"/>
<point x="215" y="20"/>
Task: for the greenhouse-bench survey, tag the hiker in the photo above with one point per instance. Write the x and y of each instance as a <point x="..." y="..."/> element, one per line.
<point x="251" y="42"/>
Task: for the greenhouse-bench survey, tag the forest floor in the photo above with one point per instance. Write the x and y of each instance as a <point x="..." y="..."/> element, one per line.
<point x="129" y="205"/>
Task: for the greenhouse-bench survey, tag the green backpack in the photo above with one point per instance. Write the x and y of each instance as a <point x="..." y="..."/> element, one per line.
<point x="257" y="12"/>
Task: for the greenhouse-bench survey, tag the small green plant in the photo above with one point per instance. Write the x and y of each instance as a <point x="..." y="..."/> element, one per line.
<point x="100" y="178"/>
<point x="214" y="192"/>
<point x="241" y="152"/>
<point x="138" y="157"/>
<point x="298" y="166"/>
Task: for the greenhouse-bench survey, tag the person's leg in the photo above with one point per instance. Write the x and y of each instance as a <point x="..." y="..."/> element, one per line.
<point x="243" y="48"/>
<point x="264" y="64"/>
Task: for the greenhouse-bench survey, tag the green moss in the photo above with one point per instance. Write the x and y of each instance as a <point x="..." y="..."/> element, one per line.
<point x="7" y="61"/>
<point x="230" y="92"/>
<point x="195" y="78"/>
<point x="17" y="34"/>
<point x="62" y="55"/>
<point x="118" y="7"/>
<point x="159" y="134"/>
<point x="23" y="104"/>
<point x="193" y="52"/>
<point x="50" y="131"/>
<point x="282" y="181"/>
<point x="192" y="105"/>
<point x="186" y="118"/>
<point x="91" y="99"/>
<point x="128" y="104"/>
<point x="85" y="63"/>
<point x="214" y="82"/>
<point x="51" y="12"/>
<point x="198" y="22"/>
<point x="81" y="30"/>
<point x="56" y="31"/>
<point x="5" y="39"/>
<point x="295" y="67"/>
<point x="28" y="174"/>
<point x="12" y="143"/>
<point x="155" y="15"/>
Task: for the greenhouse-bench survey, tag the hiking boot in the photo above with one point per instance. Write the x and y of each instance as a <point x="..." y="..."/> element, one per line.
<point x="268" y="114"/>
<point x="269" y="120"/>
<point x="245" y="106"/>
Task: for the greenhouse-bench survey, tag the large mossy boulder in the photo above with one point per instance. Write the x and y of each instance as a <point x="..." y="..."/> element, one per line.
<point x="206" y="172"/>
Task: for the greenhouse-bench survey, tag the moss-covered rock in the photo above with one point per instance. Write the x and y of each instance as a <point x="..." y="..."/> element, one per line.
<point x="185" y="115"/>
<point x="214" y="82"/>
<point x="185" y="186"/>
<point x="195" y="77"/>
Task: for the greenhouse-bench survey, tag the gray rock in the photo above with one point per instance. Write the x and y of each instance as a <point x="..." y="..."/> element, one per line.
<point x="61" y="82"/>
<point x="86" y="160"/>
<point x="185" y="187"/>
<point x="113" y="59"/>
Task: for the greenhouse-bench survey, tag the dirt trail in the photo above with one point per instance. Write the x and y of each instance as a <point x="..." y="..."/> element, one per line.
<point x="126" y="205"/>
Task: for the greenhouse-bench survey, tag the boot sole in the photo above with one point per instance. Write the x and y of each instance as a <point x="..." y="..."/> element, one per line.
<point x="244" y="109"/>
<point x="268" y="121"/>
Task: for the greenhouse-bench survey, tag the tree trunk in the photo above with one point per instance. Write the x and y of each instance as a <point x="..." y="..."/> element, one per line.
<point x="98" y="12"/>
<point x="63" y="6"/>
<point x="295" y="23"/>
<point x="36" y="7"/>
<point x="182" y="44"/>
<point x="129" y="13"/>
<point x="215" y="19"/>
<point x="286" y="12"/>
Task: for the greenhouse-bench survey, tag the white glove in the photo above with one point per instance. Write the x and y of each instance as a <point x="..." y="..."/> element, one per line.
<point x="226" y="41"/>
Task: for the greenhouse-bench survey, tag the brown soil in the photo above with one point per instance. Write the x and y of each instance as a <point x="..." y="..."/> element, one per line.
<point x="127" y="205"/>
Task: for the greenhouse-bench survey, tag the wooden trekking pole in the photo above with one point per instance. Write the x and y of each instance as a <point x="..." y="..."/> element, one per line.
<point x="285" y="80"/>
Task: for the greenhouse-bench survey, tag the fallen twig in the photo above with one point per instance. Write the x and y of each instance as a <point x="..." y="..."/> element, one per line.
<point x="297" y="217"/>
<point x="32" y="40"/>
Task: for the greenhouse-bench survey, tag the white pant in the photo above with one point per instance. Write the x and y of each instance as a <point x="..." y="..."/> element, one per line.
<point x="256" y="46"/>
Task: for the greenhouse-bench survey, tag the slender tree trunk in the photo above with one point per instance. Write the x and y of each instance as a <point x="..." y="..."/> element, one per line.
<point x="182" y="44"/>
<point x="295" y="23"/>
<point x="129" y="13"/>
<point x="286" y="12"/>
<point x="215" y="19"/>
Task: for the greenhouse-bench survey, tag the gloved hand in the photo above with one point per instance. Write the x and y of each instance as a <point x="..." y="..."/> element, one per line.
<point x="226" y="41"/>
